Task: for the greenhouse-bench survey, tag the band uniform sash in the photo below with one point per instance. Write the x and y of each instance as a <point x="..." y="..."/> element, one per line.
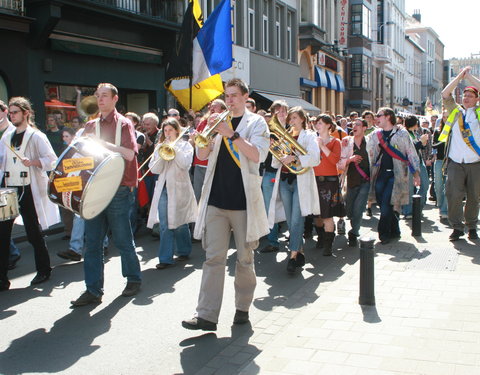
<point x="393" y="152"/>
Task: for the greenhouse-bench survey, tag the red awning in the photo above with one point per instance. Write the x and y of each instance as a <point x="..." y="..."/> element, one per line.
<point x="54" y="103"/>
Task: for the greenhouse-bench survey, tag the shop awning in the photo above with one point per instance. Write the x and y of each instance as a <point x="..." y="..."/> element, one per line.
<point x="321" y="77"/>
<point x="54" y="103"/>
<point x="291" y="101"/>
<point x="340" y="83"/>
<point x="332" y="82"/>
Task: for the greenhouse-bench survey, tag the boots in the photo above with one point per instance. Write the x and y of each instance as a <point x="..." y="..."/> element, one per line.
<point x="320" y="236"/>
<point x="327" y="243"/>
<point x="352" y="240"/>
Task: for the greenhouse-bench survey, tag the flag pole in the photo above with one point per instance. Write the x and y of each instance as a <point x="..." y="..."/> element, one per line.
<point x="191" y="58"/>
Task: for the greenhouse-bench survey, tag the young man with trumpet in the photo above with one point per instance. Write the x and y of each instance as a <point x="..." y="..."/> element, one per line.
<point x="173" y="204"/>
<point x="231" y="200"/>
<point x="117" y="134"/>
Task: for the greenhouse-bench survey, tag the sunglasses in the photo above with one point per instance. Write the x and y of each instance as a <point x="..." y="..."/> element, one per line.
<point x="380" y="115"/>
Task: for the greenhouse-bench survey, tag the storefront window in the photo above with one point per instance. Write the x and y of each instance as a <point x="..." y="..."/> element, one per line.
<point x="62" y="100"/>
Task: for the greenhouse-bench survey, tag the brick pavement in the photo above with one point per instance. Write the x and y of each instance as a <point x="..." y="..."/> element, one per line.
<point x="426" y="318"/>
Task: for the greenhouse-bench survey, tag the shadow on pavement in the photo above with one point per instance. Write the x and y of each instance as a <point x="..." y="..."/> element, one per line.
<point x="208" y="349"/>
<point x="63" y="345"/>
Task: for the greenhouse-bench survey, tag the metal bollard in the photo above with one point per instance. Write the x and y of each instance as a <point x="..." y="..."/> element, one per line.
<point x="367" y="274"/>
<point x="416" y="215"/>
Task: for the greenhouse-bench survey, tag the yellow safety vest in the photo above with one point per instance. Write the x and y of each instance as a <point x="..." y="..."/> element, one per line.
<point x="452" y="118"/>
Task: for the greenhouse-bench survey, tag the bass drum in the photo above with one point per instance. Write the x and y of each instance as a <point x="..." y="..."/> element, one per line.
<point x="86" y="177"/>
<point x="8" y="204"/>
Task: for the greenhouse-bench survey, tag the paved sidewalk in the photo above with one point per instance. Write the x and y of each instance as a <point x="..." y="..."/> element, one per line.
<point x="426" y="319"/>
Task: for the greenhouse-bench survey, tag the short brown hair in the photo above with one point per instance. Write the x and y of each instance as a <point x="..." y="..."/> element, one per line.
<point x="135" y="117"/>
<point x="366" y="113"/>
<point x="240" y="83"/>
<point x="389" y="113"/>
<point x="278" y="104"/>
<point x="109" y="86"/>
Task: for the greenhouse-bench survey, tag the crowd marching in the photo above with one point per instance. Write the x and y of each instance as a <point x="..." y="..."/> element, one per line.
<point x="233" y="169"/>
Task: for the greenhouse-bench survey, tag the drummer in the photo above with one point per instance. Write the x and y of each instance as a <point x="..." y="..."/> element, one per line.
<point x="117" y="134"/>
<point x="30" y="180"/>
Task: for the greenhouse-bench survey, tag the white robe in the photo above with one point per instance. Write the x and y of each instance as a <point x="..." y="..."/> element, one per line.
<point x="182" y="205"/>
<point x="254" y="129"/>
<point x="307" y="186"/>
<point x="38" y="148"/>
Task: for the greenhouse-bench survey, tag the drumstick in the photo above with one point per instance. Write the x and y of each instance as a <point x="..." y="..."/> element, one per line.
<point x="16" y="154"/>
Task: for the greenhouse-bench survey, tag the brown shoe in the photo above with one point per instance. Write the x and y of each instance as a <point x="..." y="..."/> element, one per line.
<point x="70" y="255"/>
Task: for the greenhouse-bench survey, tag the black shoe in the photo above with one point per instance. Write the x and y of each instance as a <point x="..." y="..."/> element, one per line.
<point x="4" y="285"/>
<point x="369" y="212"/>
<point x="291" y="265"/>
<point x="40" y="278"/>
<point x="182" y="258"/>
<point x="456" y="234"/>
<point x="307" y="235"/>
<point x="300" y="259"/>
<point x="12" y="262"/>
<point x="131" y="289"/>
<point x="269" y="249"/>
<point x="70" y="255"/>
<point x="162" y="266"/>
<point x="472" y="234"/>
<point x="352" y="240"/>
<point x="86" y="299"/>
<point x="199" y="323"/>
<point x="241" y="317"/>
<point x="385" y="240"/>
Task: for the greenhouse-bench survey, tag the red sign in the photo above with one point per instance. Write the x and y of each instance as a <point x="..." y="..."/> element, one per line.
<point x="343" y="24"/>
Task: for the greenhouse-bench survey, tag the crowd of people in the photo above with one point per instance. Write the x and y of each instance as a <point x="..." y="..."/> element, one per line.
<point x="233" y="169"/>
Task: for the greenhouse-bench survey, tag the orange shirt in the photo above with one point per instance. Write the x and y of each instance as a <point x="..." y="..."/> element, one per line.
<point x="328" y="164"/>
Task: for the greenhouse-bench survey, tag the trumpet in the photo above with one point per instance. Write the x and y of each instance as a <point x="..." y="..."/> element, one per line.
<point x="166" y="151"/>
<point x="203" y="139"/>
<point x="284" y="144"/>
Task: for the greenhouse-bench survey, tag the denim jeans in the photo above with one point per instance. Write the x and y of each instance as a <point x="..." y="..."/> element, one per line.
<point x="115" y="217"/>
<point x="388" y="223"/>
<point x="78" y="236"/>
<point x="133" y="211"/>
<point x="424" y="185"/>
<point x="267" y="189"/>
<point x="171" y="239"/>
<point x="356" y="202"/>
<point x="295" y="220"/>
<point x="440" y="188"/>
<point x="13" y="249"/>
<point x="150" y="182"/>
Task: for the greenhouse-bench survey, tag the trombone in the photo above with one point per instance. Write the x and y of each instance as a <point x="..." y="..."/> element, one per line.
<point x="166" y="151"/>
<point x="203" y="139"/>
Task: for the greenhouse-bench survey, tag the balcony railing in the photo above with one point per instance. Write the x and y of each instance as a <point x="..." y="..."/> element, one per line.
<point x="382" y="52"/>
<point x="11" y="6"/>
<point x="167" y="10"/>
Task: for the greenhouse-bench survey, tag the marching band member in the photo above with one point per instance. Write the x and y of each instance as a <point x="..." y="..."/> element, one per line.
<point x="231" y="200"/>
<point x="117" y="134"/>
<point x="328" y="184"/>
<point x="295" y="186"/>
<point x="26" y="157"/>
<point x="173" y="203"/>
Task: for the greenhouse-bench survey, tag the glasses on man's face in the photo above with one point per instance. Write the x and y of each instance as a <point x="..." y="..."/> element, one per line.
<point x="172" y="115"/>
<point x="13" y="112"/>
<point x="380" y="115"/>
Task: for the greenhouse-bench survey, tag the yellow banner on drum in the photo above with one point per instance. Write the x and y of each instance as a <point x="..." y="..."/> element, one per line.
<point x="65" y="184"/>
<point x="77" y="164"/>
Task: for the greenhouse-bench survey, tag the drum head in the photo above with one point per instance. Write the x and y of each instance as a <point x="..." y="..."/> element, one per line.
<point x="102" y="187"/>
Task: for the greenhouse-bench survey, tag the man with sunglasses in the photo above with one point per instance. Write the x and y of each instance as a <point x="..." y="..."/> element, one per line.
<point x="462" y="164"/>
<point x="392" y="157"/>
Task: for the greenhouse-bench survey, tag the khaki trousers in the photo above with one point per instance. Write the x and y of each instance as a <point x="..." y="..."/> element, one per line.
<point x="218" y="224"/>
<point x="463" y="180"/>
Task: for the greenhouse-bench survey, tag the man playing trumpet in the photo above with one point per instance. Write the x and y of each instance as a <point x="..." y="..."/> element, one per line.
<point x="231" y="199"/>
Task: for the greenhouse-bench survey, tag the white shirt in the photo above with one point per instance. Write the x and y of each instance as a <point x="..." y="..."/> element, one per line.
<point x="459" y="152"/>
